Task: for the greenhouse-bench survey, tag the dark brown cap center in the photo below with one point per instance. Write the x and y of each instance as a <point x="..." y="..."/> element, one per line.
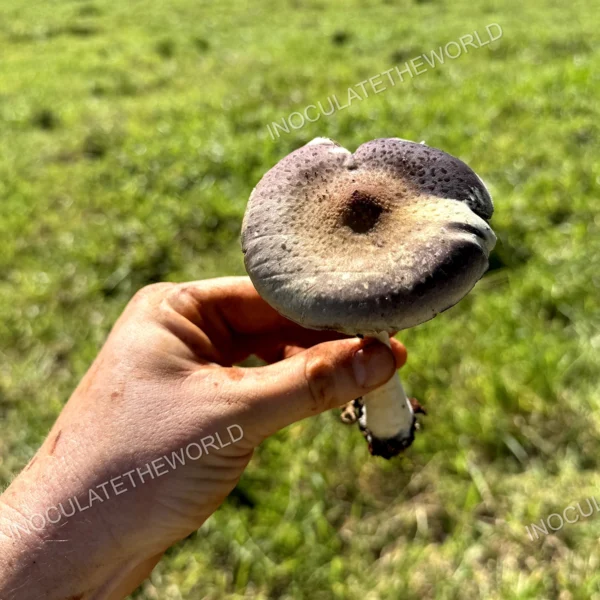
<point x="361" y="213"/>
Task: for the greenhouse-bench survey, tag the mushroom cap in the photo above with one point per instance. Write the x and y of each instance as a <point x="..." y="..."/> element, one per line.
<point x="379" y="240"/>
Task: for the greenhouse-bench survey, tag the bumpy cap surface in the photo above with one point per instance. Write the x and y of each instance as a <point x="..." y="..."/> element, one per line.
<point x="379" y="240"/>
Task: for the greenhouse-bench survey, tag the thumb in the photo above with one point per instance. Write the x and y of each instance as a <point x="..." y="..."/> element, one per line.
<point x="318" y="379"/>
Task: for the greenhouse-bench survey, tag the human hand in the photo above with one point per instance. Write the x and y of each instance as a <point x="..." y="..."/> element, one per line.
<point x="164" y="384"/>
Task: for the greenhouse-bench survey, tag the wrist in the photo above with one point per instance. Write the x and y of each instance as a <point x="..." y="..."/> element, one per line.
<point x="25" y="560"/>
<point x="45" y="554"/>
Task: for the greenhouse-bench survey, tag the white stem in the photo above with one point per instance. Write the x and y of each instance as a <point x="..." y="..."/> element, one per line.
<point x="387" y="411"/>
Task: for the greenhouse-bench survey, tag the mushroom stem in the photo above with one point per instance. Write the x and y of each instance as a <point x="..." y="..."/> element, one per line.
<point x="388" y="416"/>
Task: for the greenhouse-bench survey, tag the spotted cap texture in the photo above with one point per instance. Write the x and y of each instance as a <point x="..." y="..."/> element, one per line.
<point x="379" y="240"/>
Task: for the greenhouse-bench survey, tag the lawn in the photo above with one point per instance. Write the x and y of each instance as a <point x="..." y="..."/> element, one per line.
<point x="132" y="135"/>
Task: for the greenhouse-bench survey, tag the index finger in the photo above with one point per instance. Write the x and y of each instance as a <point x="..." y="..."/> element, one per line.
<point x="236" y="302"/>
<point x="238" y="321"/>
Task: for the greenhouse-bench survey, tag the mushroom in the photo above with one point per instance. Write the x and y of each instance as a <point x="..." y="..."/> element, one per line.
<point x="368" y="244"/>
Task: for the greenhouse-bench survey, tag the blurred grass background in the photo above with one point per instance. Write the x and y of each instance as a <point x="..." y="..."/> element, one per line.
<point x="132" y="134"/>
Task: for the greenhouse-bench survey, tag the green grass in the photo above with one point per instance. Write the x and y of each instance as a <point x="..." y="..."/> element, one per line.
<point x="132" y="134"/>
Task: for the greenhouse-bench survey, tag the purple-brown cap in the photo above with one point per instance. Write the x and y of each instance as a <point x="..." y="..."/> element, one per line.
<point x="379" y="240"/>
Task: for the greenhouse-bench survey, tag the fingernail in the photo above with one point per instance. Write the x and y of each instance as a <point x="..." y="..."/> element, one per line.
<point x="373" y="365"/>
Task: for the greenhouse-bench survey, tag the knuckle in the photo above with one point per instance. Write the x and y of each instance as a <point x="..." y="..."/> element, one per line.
<point x="184" y="299"/>
<point x="147" y="299"/>
<point x="319" y="372"/>
<point x="151" y="291"/>
<point x="185" y="292"/>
